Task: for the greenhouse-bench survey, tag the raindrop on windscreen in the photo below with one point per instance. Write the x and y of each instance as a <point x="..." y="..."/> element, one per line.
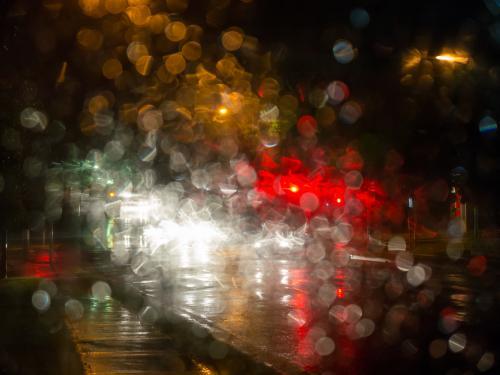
<point x="41" y="300"/>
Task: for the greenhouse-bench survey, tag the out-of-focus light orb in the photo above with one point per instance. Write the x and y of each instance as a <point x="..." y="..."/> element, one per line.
<point x="232" y="40"/>
<point x="175" y="63"/>
<point x="74" y="309"/>
<point x="90" y="39"/>
<point x="309" y="202"/>
<point x="487" y="125"/>
<point x="324" y="346"/>
<point x="327" y="294"/>
<point x="456" y="228"/>
<point x="41" y="300"/>
<point x="337" y="314"/>
<point x="101" y="291"/>
<point x="177" y="6"/>
<point x="148" y="153"/>
<point x="175" y="31"/>
<point x="477" y="265"/>
<point x="144" y="64"/>
<point x="218" y="350"/>
<point x="343" y="51"/>
<point x="269" y="88"/>
<point x="337" y="92"/>
<point x="33" y="119"/>
<point x="416" y="275"/>
<point x="326" y="116"/>
<point x="150" y="119"/>
<point x="404" y="261"/>
<point x="455" y="249"/>
<point x="112" y="68"/>
<point x="307" y="126"/>
<point x="115" y="6"/>
<point x="114" y="150"/>
<point x="139" y="15"/>
<point x="49" y="286"/>
<point x="353" y="313"/>
<point x="397" y="243"/>
<point x="353" y="180"/>
<point x="315" y="252"/>
<point x="457" y="342"/>
<point x="269" y="113"/>
<point x="318" y="98"/>
<point x="324" y="270"/>
<point x="136" y="50"/>
<point x="350" y="112"/>
<point x="342" y="233"/>
<point x="200" y="179"/>
<point x="245" y="174"/>
<point x="270" y="139"/>
<point x="365" y="327"/>
<point x="359" y="18"/>
<point x="191" y="51"/>
<point x="438" y="348"/>
<point x="97" y="104"/>
<point x="297" y="318"/>
<point x="340" y="257"/>
<point x="353" y="207"/>
<point x="486" y="362"/>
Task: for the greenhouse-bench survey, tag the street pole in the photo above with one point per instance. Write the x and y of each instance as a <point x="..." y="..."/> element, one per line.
<point x="27" y="240"/>
<point x="475" y="220"/>
<point x="411" y="222"/>
<point x="51" y="243"/>
<point x="3" y="254"/>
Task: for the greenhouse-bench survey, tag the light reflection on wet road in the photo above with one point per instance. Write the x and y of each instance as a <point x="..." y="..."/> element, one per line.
<point x="281" y="310"/>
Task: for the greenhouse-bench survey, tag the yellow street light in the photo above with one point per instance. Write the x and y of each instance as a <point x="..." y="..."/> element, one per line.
<point x="453" y="58"/>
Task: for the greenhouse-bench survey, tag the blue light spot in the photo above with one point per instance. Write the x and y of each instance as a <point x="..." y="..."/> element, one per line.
<point x="343" y="51"/>
<point x="487" y="125"/>
<point x="359" y="18"/>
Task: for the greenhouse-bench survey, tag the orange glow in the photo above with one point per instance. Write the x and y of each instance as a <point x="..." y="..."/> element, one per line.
<point x="453" y="58"/>
<point x="339" y="200"/>
<point x="294" y="188"/>
<point x="111" y="194"/>
<point x="222" y="110"/>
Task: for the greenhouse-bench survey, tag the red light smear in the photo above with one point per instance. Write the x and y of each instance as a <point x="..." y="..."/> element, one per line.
<point x="448" y="312"/>
<point x="291" y="179"/>
<point x="340" y="293"/>
<point x="267" y="162"/>
<point x="477" y="265"/>
<point x="307" y="126"/>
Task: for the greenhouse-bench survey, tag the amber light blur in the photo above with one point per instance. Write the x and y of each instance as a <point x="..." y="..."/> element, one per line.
<point x="453" y="58"/>
<point x="294" y="188"/>
<point x="222" y="111"/>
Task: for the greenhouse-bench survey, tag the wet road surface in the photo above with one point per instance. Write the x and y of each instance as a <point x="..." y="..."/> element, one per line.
<point x="366" y="317"/>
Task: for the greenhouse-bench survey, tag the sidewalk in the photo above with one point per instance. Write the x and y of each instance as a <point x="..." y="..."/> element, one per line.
<point x="109" y="338"/>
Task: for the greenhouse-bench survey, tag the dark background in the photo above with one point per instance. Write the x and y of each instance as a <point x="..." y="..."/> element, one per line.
<point x="435" y="127"/>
